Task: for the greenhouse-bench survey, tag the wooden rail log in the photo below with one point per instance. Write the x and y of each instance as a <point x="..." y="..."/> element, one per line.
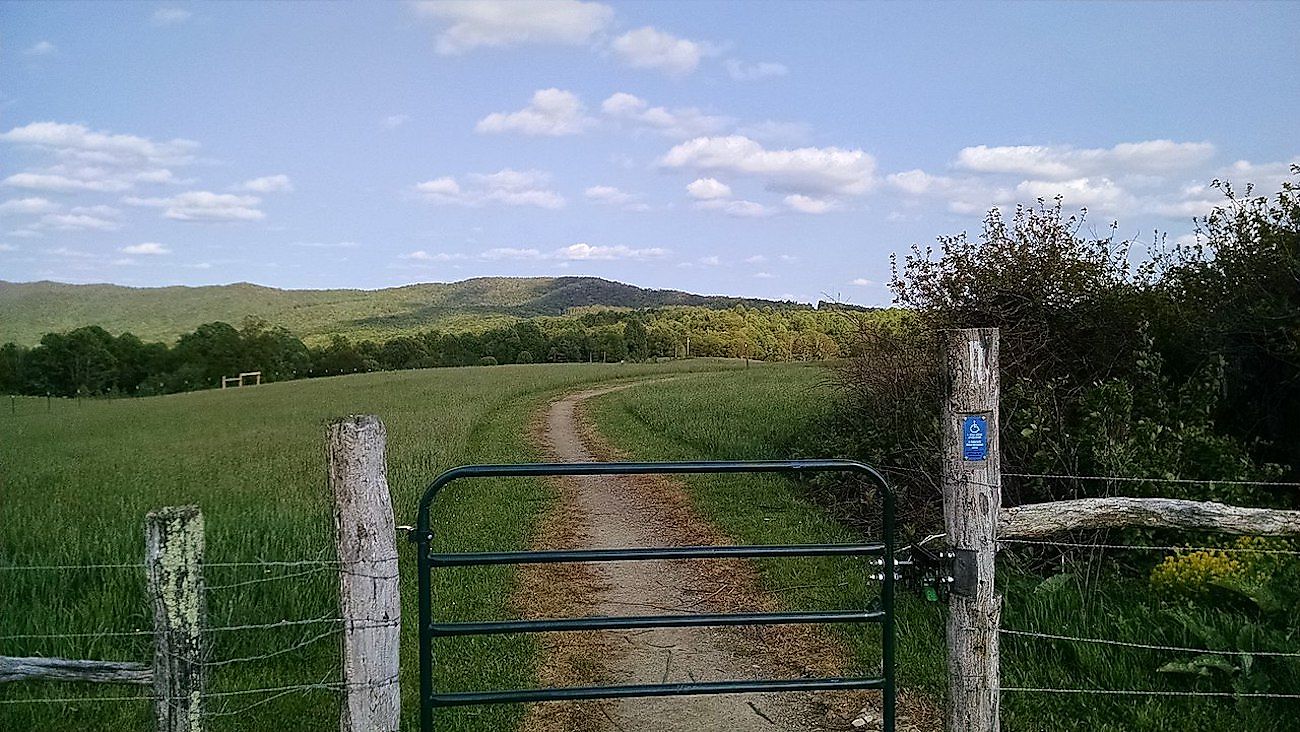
<point x="17" y="668"/>
<point x="1042" y="520"/>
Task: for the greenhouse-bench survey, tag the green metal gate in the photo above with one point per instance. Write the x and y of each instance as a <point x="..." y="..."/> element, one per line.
<point x="430" y="628"/>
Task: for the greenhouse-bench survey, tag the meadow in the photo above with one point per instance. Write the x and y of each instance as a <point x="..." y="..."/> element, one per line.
<point x="79" y="476"/>
<point x="775" y="411"/>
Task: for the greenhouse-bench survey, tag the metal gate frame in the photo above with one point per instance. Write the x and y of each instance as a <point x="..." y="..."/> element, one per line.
<point x="429" y="629"/>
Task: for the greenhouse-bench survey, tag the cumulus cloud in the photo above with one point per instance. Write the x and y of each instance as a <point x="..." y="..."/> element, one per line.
<point x="808" y="204"/>
<point x="267" y="184"/>
<point x="704" y="189"/>
<point x="95" y="161"/>
<point x="863" y="282"/>
<point x="552" y="112"/>
<point x="471" y="24"/>
<point x="78" y="221"/>
<point x="204" y="206"/>
<point x="611" y="196"/>
<point x="393" y="121"/>
<point x="741" y="71"/>
<point x="632" y="110"/>
<point x="148" y="248"/>
<point x="506" y="186"/>
<point x="738" y="208"/>
<point x="584" y="251"/>
<point x="581" y="251"/>
<point x="28" y="206"/>
<point x="808" y="170"/>
<point x="648" y="48"/>
<point x="423" y="256"/>
<point x="1063" y="162"/>
<point x="79" y="141"/>
<point x="168" y="15"/>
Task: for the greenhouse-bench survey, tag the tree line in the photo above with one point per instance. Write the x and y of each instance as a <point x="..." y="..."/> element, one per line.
<point x="90" y="361"/>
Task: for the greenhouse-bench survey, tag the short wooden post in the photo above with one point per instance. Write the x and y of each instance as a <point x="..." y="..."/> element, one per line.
<point x="174" y="569"/>
<point x="972" y="498"/>
<point x="368" y="583"/>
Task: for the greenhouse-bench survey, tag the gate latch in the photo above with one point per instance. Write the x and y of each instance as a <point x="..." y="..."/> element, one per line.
<point x="930" y="572"/>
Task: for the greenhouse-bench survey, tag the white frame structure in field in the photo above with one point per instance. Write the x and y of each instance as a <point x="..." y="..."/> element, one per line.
<point x="239" y="380"/>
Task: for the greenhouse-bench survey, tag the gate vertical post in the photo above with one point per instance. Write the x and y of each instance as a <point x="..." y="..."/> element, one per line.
<point x="368" y="581"/>
<point x="174" y="572"/>
<point x="972" y="497"/>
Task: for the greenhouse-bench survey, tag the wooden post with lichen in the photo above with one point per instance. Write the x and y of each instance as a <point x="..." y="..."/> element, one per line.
<point x="368" y="582"/>
<point x="972" y="499"/>
<point x="174" y="570"/>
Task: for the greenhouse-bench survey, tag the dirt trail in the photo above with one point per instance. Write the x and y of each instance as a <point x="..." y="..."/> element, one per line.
<point x="651" y="511"/>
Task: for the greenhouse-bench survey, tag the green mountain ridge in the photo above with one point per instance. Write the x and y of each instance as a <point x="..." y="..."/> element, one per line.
<point x="29" y="310"/>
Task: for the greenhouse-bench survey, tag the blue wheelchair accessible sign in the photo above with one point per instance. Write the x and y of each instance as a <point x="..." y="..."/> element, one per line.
<point x="975" y="438"/>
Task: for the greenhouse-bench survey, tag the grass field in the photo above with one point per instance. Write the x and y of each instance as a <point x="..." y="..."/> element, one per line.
<point x="76" y="479"/>
<point x="762" y="412"/>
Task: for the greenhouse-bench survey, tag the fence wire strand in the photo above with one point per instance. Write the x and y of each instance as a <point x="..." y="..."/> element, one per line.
<point x="1135" y="479"/>
<point x="1145" y="646"/>
<point x="1149" y="547"/>
<point x="1151" y="692"/>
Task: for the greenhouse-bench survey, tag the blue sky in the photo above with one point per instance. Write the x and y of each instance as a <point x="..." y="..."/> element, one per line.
<point x="766" y="149"/>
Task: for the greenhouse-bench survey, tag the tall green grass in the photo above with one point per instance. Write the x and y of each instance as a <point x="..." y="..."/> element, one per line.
<point x="771" y="412"/>
<point x="77" y="478"/>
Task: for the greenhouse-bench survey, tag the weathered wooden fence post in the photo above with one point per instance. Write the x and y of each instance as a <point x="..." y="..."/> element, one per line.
<point x="972" y="499"/>
<point x="368" y="582"/>
<point x="174" y="570"/>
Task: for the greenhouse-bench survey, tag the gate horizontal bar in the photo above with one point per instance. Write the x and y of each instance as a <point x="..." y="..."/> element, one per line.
<point x="640" y="554"/>
<point x="576" y="693"/>
<point x="628" y="622"/>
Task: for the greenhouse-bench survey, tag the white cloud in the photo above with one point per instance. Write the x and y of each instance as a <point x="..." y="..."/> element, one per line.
<point x="710" y="261"/>
<point x="808" y="170"/>
<point x="475" y="24"/>
<point x="71" y="140"/>
<point x="168" y="15"/>
<point x="552" y="112"/>
<point x="78" y="222"/>
<point x="863" y="282"/>
<point x="611" y="196"/>
<point x="575" y="253"/>
<point x="647" y="48"/>
<point x="511" y="253"/>
<point x="28" y="206"/>
<point x="1093" y="193"/>
<point x="680" y="122"/>
<point x="756" y="259"/>
<point x="267" y="184"/>
<point x="704" y="189"/>
<point x="764" y="275"/>
<point x="63" y="183"/>
<point x="1063" y="162"/>
<point x="583" y="251"/>
<point x="41" y="48"/>
<point x="149" y="248"/>
<point x="737" y="208"/>
<point x="741" y="71"/>
<point x="507" y="186"/>
<point x="204" y="206"/>
<point x="393" y="121"/>
<point x="423" y="256"/>
<point x="8" y="248"/>
<point x="808" y="204"/>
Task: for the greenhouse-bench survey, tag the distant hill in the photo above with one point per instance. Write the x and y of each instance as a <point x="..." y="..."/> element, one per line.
<point x="29" y="310"/>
